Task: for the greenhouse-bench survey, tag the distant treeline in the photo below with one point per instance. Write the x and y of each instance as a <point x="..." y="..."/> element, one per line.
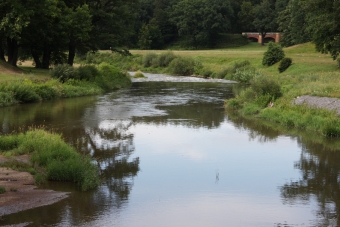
<point x="53" y="31"/>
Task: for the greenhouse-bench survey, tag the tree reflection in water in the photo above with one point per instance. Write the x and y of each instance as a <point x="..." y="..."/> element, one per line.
<point x="319" y="165"/>
<point x="320" y="179"/>
<point x="111" y="144"/>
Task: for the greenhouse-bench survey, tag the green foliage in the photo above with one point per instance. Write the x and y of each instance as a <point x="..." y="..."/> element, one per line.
<point x="238" y="65"/>
<point x="284" y="64"/>
<point x="244" y="75"/>
<point x="221" y="74"/>
<point x="46" y="92"/>
<point x="111" y="78"/>
<point x="265" y="17"/>
<point x="323" y="22"/>
<point x="207" y="73"/>
<point x="87" y="72"/>
<point x="293" y="23"/>
<point x="150" y="37"/>
<point x="251" y="109"/>
<point x="139" y="74"/>
<point x="205" y="20"/>
<point x="2" y="190"/>
<point x="264" y="85"/>
<point x="61" y="161"/>
<point x="164" y="59"/>
<point x="22" y="91"/>
<point x="64" y="72"/>
<point x="233" y="103"/>
<point x="273" y="55"/>
<point x="331" y="129"/>
<point x="148" y="59"/>
<point x="7" y="99"/>
<point x="8" y="142"/>
<point x="182" y="66"/>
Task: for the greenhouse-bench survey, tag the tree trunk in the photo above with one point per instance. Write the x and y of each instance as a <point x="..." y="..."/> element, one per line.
<point x="36" y="59"/>
<point x="12" y="49"/>
<point x="46" y="57"/>
<point x="2" y="54"/>
<point x="263" y="34"/>
<point x="71" y="52"/>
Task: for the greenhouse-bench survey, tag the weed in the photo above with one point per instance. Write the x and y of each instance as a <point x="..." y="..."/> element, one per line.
<point x="2" y="189"/>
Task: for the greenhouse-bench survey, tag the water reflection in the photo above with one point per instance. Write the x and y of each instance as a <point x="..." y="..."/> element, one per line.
<point x="320" y="180"/>
<point x="200" y="166"/>
<point x="318" y="165"/>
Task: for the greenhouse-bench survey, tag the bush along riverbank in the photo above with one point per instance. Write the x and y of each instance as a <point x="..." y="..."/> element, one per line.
<point x="65" y="82"/>
<point x="264" y="99"/>
<point x="169" y="63"/>
<point x="50" y="158"/>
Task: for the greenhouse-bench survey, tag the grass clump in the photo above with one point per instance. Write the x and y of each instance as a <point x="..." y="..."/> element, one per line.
<point x="53" y="158"/>
<point x="139" y="74"/>
<point x="2" y="190"/>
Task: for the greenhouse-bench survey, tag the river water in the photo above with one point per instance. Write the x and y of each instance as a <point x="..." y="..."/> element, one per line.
<point x="169" y="155"/>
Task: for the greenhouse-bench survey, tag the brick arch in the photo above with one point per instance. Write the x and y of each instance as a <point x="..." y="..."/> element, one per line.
<point x="254" y="35"/>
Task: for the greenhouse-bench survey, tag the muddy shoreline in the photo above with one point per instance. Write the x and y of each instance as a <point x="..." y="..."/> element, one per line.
<point x="21" y="193"/>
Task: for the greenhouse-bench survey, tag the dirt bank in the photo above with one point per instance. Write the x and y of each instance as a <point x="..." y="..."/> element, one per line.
<point x="21" y="193"/>
<point x="319" y="102"/>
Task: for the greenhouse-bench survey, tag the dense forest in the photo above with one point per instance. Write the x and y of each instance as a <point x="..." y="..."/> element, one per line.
<point x="54" y="31"/>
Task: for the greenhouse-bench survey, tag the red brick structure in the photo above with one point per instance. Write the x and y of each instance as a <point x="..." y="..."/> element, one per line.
<point x="275" y="36"/>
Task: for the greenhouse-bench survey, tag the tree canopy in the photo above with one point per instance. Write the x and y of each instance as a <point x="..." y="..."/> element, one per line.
<point x="54" y="31"/>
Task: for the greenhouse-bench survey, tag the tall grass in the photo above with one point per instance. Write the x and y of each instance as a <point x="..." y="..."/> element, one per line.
<point x="68" y="82"/>
<point x="49" y="152"/>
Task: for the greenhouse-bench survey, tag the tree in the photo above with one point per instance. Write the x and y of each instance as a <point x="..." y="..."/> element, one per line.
<point x="265" y="18"/>
<point x="150" y="37"/>
<point x="293" y="23"/>
<point x="246" y="16"/>
<point x="78" y="29"/>
<point x="323" y="23"/>
<point x="201" y="20"/>
<point x="15" y="15"/>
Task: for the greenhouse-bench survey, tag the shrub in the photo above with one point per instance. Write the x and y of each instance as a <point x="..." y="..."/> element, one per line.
<point x="7" y="99"/>
<point x="182" y="66"/>
<point x="233" y="104"/>
<point x="46" y="92"/>
<point x="2" y="190"/>
<point x="111" y="78"/>
<point x="87" y="72"/>
<point x="207" y="73"/>
<point x="64" y="72"/>
<point x="164" y="59"/>
<point x="284" y="64"/>
<point x="273" y="55"/>
<point x="238" y="65"/>
<point x="148" y="59"/>
<point x="8" y="142"/>
<point x="22" y="90"/>
<point x="263" y="85"/>
<point x="245" y="74"/>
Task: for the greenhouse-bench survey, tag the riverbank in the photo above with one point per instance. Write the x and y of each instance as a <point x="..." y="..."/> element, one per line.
<point x="29" y="159"/>
<point x="21" y="193"/>
<point x="62" y="82"/>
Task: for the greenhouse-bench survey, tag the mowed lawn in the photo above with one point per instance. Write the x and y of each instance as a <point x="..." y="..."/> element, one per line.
<point x="305" y="58"/>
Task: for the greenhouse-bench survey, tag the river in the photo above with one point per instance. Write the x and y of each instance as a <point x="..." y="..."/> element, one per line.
<point x="169" y="155"/>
